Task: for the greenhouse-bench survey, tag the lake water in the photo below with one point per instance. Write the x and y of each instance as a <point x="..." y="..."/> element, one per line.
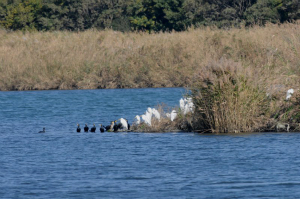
<point x="65" y="164"/>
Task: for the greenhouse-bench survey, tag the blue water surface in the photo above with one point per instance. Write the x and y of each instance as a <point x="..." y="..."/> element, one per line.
<point x="64" y="164"/>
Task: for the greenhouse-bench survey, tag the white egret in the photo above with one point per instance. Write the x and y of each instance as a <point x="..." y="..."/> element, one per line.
<point x="191" y="105"/>
<point x="148" y="115"/>
<point x="168" y="115"/>
<point x="173" y="115"/>
<point x="124" y="123"/>
<point x="146" y="118"/>
<point x="181" y="104"/>
<point x="156" y="114"/>
<point x="186" y="109"/>
<point x="282" y="127"/>
<point x="137" y="120"/>
<point x="289" y="94"/>
<point x="149" y="110"/>
<point x="186" y="105"/>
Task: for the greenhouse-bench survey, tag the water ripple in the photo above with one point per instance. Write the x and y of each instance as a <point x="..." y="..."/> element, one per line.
<point x="65" y="164"/>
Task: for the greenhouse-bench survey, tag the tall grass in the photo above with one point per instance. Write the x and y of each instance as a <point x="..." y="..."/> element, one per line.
<point x="108" y="59"/>
<point x="230" y="98"/>
<point x="244" y="89"/>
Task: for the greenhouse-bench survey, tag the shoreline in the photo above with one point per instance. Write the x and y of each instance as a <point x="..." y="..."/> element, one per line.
<point x="77" y="89"/>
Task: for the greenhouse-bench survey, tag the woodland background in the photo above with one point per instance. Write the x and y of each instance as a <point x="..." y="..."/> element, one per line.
<point x="142" y="15"/>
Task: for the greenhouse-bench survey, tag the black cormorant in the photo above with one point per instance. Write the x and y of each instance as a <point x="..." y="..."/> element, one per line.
<point x="116" y="126"/>
<point x="93" y="129"/>
<point x="78" y="128"/>
<point x="107" y="128"/>
<point x="128" y="125"/>
<point x="101" y="128"/>
<point x="86" y="128"/>
<point x="120" y="126"/>
<point x="43" y="131"/>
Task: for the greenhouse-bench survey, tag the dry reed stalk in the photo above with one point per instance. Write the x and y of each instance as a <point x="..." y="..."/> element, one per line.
<point x="108" y="59"/>
<point x="229" y="99"/>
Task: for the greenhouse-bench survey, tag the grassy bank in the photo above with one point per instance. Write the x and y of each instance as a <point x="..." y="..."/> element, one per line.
<point x="107" y="59"/>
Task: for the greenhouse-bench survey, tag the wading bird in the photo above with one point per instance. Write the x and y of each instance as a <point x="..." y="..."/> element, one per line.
<point x="182" y="104"/>
<point x="156" y="114"/>
<point x="147" y="116"/>
<point x="124" y="124"/>
<point x="282" y="127"/>
<point x="186" y="105"/>
<point x="173" y="115"/>
<point x="289" y="94"/>
<point x="137" y="120"/>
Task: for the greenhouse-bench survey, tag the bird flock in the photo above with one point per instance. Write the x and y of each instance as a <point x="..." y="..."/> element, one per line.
<point x="186" y="106"/>
<point x="114" y="126"/>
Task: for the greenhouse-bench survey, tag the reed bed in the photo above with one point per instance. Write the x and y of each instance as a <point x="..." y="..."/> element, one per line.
<point x="107" y="59"/>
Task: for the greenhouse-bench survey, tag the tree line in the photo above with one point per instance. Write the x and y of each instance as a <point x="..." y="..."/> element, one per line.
<point x="146" y="15"/>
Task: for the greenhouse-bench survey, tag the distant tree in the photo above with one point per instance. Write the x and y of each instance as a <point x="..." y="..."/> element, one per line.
<point x="220" y="13"/>
<point x="84" y="14"/>
<point x="158" y="15"/>
<point x="50" y="16"/>
<point x="2" y="12"/>
<point x="148" y="15"/>
<point x="22" y="15"/>
<point x="193" y="11"/>
<point x="290" y="10"/>
<point x="143" y="15"/>
<point x="264" y="11"/>
<point x="174" y="15"/>
<point x="113" y="14"/>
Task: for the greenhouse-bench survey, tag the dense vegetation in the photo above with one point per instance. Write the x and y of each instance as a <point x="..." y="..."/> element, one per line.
<point x="149" y="15"/>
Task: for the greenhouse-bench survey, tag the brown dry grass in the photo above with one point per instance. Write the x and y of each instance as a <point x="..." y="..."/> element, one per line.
<point x="230" y="98"/>
<point x="108" y="59"/>
<point x="245" y="90"/>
